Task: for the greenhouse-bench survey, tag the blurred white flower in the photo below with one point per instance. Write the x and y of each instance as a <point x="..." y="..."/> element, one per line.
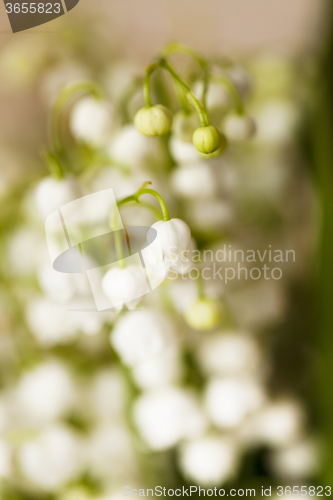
<point x="110" y="452"/>
<point x="26" y="250"/>
<point x="135" y="150"/>
<point x="139" y="335"/>
<point x="183" y="152"/>
<point x="230" y="400"/>
<point x="229" y="353"/>
<point x="277" y="121"/>
<point x="51" y="194"/>
<point x="124" y="286"/>
<point x="92" y="121"/>
<point x="209" y="461"/>
<point x="5" y="459"/>
<point x="57" y="286"/>
<point x="50" y="323"/>
<point x="217" y="96"/>
<point x="46" y="392"/>
<point x="158" y="371"/>
<point x="164" y="416"/>
<point x="52" y="459"/>
<point x="183" y="293"/>
<point x="194" y="180"/>
<point x="279" y="423"/>
<point x="238" y="128"/>
<point x="300" y="460"/>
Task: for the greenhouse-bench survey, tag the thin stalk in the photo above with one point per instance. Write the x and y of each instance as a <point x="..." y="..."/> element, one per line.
<point x="65" y="95"/>
<point x="230" y="87"/>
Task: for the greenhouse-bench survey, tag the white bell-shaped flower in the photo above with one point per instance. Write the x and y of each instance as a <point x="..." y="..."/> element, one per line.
<point x="142" y="334"/>
<point x="51" y="194"/>
<point x="210" y="460"/>
<point x="91" y="121"/>
<point x="45" y="393"/>
<point x="165" y="416"/>
<point x="124" y="286"/>
<point x="174" y="236"/>
<point x="135" y="150"/>
<point x="51" y="460"/>
<point x="194" y="180"/>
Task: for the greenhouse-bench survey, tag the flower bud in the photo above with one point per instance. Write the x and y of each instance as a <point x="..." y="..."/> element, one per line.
<point x="203" y="314"/>
<point x="239" y="128"/>
<point x="218" y="151"/>
<point x="184" y="125"/>
<point x="153" y="121"/>
<point x="207" y="139"/>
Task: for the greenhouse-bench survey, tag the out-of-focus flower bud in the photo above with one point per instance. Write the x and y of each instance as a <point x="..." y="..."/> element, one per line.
<point x="239" y="128"/>
<point x="124" y="286"/>
<point x="52" y="459"/>
<point x="51" y="194"/>
<point x="195" y="180"/>
<point x="142" y="335"/>
<point x="218" y="151"/>
<point x="165" y="416"/>
<point x="207" y="139"/>
<point x="184" y="125"/>
<point x="203" y="314"/>
<point x="174" y="236"/>
<point x="153" y="121"/>
<point x="91" y="121"/>
<point x="209" y="460"/>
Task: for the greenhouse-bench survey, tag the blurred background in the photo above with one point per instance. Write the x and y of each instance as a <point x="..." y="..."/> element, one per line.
<point x="92" y="402"/>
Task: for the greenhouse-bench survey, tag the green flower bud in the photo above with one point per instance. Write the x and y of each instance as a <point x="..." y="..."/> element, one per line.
<point x="207" y="139"/>
<point x="203" y="314"/>
<point x="153" y="121"/>
<point x="218" y="152"/>
<point x="184" y="125"/>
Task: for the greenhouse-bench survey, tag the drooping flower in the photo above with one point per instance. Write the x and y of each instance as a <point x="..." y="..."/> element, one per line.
<point x="91" y="121"/>
<point x="174" y="237"/>
<point x="239" y="128"/>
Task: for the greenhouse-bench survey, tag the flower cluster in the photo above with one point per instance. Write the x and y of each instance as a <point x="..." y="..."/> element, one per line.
<point x="209" y="140"/>
<point x="187" y="381"/>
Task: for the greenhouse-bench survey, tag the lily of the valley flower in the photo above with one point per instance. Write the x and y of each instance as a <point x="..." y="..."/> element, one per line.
<point x="174" y="237"/>
<point x="239" y="128"/>
<point x="125" y="286"/>
<point x="92" y="121"/>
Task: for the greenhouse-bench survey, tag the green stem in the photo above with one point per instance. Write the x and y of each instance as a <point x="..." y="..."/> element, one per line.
<point x="230" y="87"/>
<point x="173" y="48"/>
<point x="204" y="120"/>
<point x="159" y="198"/>
<point x="65" y="95"/>
<point x="144" y="190"/>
